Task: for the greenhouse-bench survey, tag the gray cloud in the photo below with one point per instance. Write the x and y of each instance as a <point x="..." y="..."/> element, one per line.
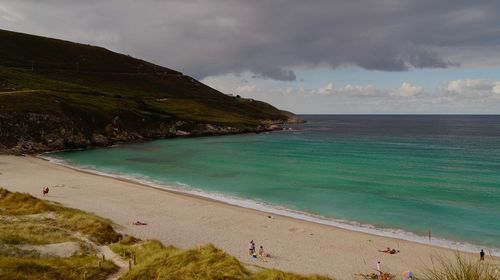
<point x="271" y="38"/>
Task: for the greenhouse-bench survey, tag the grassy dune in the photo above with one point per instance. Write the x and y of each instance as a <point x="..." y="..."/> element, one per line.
<point x="155" y="261"/>
<point x="54" y="268"/>
<point x="28" y="220"/>
<point x="60" y="226"/>
<point x="461" y="268"/>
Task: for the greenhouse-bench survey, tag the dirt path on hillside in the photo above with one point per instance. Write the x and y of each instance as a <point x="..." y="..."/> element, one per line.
<point x="112" y="256"/>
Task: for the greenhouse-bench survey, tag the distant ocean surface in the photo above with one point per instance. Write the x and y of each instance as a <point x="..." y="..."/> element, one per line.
<point x="394" y="175"/>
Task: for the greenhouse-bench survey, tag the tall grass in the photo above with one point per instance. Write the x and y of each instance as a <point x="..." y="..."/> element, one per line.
<point x="32" y="232"/>
<point x="98" y="229"/>
<point x="21" y="204"/>
<point x="461" y="268"/>
<point x="155" y="261"/>
<point x="25" y="219"/>
<point x="54" y="268"/>
<point x="67" y="222"/>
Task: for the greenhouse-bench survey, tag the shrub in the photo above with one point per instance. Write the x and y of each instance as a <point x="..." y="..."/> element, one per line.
<point x="461" y="268"/>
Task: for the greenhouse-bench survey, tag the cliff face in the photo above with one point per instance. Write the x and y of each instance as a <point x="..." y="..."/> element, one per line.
<point x="58" y="95"/>
<point x="36" y="132"/>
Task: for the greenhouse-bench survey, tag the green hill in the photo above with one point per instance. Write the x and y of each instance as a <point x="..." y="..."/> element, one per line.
<point x="56" y="94"/>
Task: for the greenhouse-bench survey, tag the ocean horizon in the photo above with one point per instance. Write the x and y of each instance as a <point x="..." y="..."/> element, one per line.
<point x="393" y="175"/>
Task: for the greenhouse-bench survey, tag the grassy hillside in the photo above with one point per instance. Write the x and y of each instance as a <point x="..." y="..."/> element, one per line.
<point x="23" y="50"/>
<point x="56" y="94"/>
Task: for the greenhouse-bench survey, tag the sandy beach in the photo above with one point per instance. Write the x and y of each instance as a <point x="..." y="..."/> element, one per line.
<point x="187" y="221"/>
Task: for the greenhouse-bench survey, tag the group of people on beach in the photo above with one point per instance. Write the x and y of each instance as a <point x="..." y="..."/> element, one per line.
<point x="253" y="253"/>
<point x="389" y="251"/>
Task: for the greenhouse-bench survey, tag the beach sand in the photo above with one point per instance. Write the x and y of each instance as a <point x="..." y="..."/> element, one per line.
<point x="186" y="221"/>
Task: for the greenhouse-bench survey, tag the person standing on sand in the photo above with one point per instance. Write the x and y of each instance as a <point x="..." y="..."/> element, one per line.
<point x="251" y="248"/>
<point x="378" y="266"/>
<point x="45" y="190"/>
<point x="481" y="255"/>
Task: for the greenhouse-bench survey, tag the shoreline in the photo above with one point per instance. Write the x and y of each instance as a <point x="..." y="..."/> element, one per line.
<point x="188" y="220"/>
<point x="284" y="212"/>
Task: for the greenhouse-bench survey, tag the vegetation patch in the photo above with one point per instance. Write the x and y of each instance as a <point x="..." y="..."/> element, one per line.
<point x="98" y="229"/>
<point x="33" y="232"/>
<point x="21" y="204"/>
<point x="29" y="226"/>
<point x="461" y="268"/>
<point x="55" y="268"/>
<point x="65" y="224"/>
<point x="155" y="261"/>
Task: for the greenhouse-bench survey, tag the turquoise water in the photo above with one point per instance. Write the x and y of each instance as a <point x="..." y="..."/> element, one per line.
<point x="413" y="173"/>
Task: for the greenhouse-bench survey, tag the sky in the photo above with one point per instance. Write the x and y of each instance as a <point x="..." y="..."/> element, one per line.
<point x="323" y="57"/>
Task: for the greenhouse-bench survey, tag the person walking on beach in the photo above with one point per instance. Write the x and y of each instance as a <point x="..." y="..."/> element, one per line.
<point x="481" y="255"/>
<point x="251" y="248"/>
<point x="45" y="190"/>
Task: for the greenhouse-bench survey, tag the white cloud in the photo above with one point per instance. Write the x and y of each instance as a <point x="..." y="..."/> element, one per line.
<point x="496" y="89"/>
<point x="351" y="90"/>
<point x="326" y="90"/>
<point x="359" y="90"/>
<point x="407" y="90"/>
<point x="470" y="87"/>
<point x="473" y="96"/>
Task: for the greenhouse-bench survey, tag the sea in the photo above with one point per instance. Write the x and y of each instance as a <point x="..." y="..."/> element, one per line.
<point x="393" y="175"/>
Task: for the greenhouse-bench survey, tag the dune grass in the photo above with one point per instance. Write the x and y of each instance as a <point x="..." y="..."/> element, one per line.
<point x="66" y="223"/>
<point x="155" y="261"/>
<point x="462" y="267"/>
<point x="54" y="268"/>
<point x="32" y="232"/>
<point x="25" y="219"/>
<point x="21" y="204"/>
<point x="98" y="229"/>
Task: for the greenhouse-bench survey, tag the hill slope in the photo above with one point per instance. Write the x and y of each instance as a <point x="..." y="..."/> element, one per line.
<point x="56" y="94"/>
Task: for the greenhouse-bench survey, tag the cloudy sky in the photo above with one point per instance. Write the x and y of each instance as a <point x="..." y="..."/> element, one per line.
<point x="338" y="56"/>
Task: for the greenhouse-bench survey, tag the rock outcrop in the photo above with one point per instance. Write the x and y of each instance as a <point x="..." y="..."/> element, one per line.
<point x="42" y="133"/>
